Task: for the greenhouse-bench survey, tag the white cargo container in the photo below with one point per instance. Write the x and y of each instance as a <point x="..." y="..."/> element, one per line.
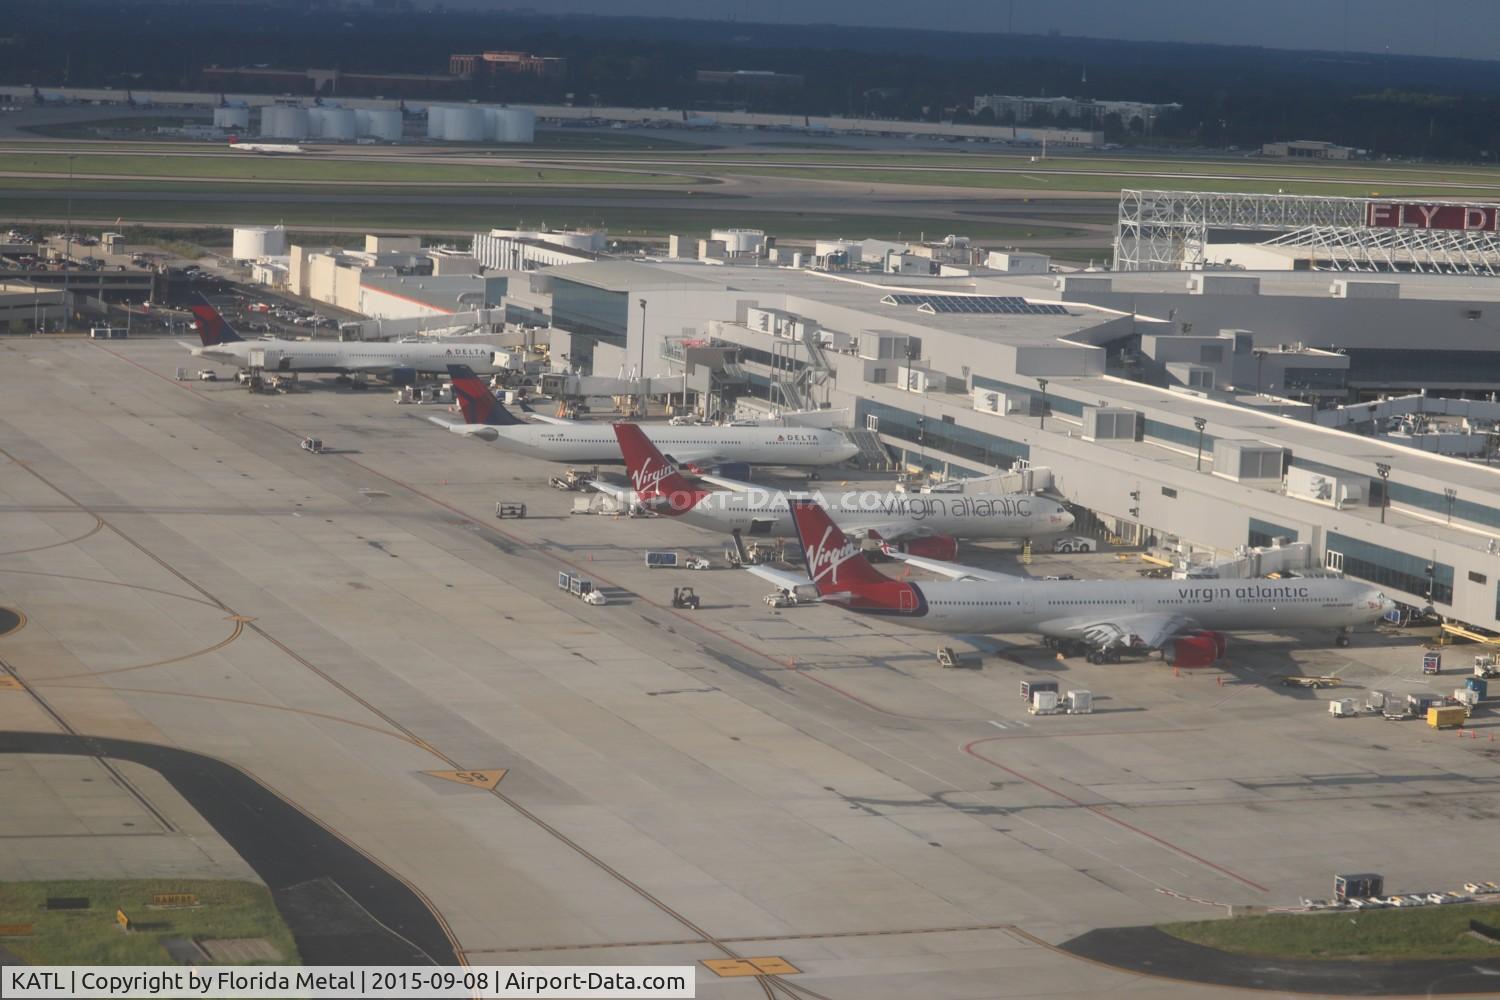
<point x="1043" y="703"/>
<point x="1466" y="697"/>
<point x="1080" y="702"/>
<point x="1342" y="708"/>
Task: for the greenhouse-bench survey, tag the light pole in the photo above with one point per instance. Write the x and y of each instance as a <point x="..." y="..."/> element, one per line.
<point x="1260" y="356"/>
<point x="1450" y="494"/>
<point x="1200" y="423"/>
<point x="640" y="373"/>
<point x="68" y="244"/>
<point x="1384" y="472"/>
<point x="1043" y="384"/>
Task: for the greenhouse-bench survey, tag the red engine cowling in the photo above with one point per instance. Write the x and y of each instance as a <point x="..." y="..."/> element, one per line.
<point x="1194" y="651"/>
<point x="940" y="547"/>
<point x="1220" y="641"/>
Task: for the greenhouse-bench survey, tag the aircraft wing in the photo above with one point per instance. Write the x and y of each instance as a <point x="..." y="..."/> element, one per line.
<point x="1149" y="630"/>
<point x="953" y="571"/>
<point x="542" y="418"/>
<point x="737" y="485"/>
<point x="700" y="456"/>
<point x="784" y="579"/>
<point x="482" y="431"/>
<point x="364" y="367"/>
<point x="624" y="494"/>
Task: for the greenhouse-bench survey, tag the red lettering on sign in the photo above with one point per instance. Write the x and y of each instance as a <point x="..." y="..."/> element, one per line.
<point x="1413" y="215"/>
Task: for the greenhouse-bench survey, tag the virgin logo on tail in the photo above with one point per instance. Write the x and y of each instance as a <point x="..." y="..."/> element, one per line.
<point x="647" y="476"/>
<point x="824" y="559"/>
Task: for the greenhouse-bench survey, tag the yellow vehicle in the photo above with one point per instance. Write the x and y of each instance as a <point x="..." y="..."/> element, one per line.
<point x="1446" y="716"/>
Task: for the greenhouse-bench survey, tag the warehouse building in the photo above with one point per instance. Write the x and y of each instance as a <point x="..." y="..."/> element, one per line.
<point x="1006" y="107"/>
<point x="501" y="63"/>
<point x="1310" y="149"/>
<point x="529" y="249"/>
<point x="1151" y="421"/>
<point x="393" y="277"/>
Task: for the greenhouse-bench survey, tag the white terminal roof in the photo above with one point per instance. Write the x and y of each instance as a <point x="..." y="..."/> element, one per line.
<point x="858" y="297"/>
<point x="1306" y="283"/>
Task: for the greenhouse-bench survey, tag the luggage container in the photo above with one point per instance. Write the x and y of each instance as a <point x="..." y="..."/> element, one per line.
<point x="1044" y="702"/>
<point x="1432" y="663"/>
<point x="1418" y="703"/>
<point x="662" y="560"/>
<point x="1467" y="698"/>
<point x="1030" y="688"/>
<point x="1479" y="686"/>
<point x="1342" y="708"/>
<point x="1378" y="701"/>
<point x="1446" y="716"/>
<point x="1360" y="886"/>
<point x="1080" y="702"/>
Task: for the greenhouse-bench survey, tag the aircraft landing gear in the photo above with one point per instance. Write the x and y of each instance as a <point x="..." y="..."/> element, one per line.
<point x="1341" y="640"/>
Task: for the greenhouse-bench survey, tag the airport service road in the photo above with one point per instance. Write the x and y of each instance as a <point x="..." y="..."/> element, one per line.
<point x="680" y="786"/>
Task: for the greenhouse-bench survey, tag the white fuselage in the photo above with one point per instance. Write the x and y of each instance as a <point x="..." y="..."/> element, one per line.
<point x="595" y="443"/>
<point x="1060" y="608"/>
<point x="891" y="515"/>
<point x="351" y="357"/>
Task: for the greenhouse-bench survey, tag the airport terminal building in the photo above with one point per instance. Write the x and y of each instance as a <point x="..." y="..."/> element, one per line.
<point x="1199" y="409"/>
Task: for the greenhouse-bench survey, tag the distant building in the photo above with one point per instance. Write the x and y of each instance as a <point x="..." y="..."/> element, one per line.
<point x="487" y="64"/>
<point x="530" y="249"/>
<point x="1310" y="149"/>
<point x="1025" y="109"/>
<point x="328" y="82"/>
<point x="751" y="79"/>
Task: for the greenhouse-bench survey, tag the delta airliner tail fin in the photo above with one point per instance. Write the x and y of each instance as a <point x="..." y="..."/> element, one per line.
<point x="213" y="329"/>
<point x="475" y="400"/>
<point x="654" y="477"/>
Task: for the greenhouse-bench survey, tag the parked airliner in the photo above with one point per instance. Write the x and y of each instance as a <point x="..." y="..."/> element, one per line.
<point x="400" y="361"/>
<point x="922" y="524"/>
<point x="588" y="443"/>
<point x="1183" y="618"/>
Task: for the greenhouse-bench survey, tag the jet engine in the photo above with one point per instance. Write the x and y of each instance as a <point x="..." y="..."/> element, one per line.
<point x="1198" y="650"/>
<point x="941" y="547"/>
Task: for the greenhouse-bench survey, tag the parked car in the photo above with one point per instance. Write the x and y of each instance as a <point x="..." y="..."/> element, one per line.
<point x="1075" y="543"/>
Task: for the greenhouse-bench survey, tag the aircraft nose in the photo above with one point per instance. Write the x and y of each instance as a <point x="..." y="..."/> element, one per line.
<point x="1061" y="519"/>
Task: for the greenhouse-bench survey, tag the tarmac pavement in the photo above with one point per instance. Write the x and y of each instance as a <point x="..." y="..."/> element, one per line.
<point x="678" y="786"/>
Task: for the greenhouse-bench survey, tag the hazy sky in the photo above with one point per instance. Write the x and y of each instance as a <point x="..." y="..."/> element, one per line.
<point x="1463" y="28"/>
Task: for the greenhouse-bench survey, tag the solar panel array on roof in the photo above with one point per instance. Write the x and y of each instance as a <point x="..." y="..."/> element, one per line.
<point x="1012" y="305"/>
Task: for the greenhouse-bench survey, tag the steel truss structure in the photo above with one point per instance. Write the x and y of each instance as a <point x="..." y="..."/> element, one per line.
<point x="1168" y="231"/>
